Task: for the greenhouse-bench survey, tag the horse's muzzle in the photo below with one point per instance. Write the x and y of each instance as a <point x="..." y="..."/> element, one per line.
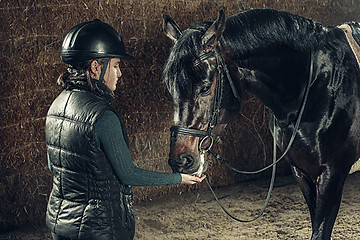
<point x="186" y="163"/>
<point x="182" y="163"/>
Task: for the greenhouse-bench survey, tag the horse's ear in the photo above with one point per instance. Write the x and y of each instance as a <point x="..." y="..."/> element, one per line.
<point x="215" y="31"/>
<point x="171" y="29"/>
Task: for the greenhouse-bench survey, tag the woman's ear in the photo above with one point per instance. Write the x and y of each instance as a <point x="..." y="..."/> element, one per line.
<point x="95" y="69"/>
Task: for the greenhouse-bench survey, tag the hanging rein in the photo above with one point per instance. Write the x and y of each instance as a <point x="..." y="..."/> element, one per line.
<point x="223" y="73"/>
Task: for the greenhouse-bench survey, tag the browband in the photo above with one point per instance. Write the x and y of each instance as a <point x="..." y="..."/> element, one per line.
<point x="203" y="57"/>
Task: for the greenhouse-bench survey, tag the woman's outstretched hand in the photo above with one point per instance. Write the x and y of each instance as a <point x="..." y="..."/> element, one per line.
<point x="189" y="179"/>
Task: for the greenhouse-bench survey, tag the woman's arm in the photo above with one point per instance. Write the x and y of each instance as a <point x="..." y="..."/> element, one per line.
<point x="109" y="135"/>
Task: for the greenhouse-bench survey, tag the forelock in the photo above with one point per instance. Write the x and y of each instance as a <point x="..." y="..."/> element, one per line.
<point x="179" y="70"/>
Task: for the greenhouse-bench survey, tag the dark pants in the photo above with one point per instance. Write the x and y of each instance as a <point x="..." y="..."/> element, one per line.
<point x="59" y="238"/>
<point x="126" y="235"/>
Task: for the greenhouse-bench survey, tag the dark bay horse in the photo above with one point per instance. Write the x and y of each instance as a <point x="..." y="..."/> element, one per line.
<point x="289" y="63"/>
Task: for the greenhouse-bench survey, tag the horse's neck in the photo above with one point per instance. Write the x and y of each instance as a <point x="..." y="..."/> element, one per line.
<point x="272" y="55"/>
<point x="276" y="80"/>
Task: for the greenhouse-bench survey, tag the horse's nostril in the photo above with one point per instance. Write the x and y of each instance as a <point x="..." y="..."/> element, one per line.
<point x="186" y="160"/>
<point x="183" y="163"/>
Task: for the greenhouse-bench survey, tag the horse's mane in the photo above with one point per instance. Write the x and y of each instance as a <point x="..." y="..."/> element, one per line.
<point x="264" y="28"/>
<point x="254" y="29"/>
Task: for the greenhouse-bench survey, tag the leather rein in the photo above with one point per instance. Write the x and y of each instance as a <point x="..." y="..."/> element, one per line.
<point x="223" y="72"/>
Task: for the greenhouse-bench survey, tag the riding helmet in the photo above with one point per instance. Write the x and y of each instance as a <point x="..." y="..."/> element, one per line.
<point x="92" y="40"/>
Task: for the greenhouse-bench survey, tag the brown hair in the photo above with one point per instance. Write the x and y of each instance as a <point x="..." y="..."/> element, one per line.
<point x="82" y="71"/>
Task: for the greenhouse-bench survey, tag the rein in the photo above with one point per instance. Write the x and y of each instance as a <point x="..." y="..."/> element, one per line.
<point x="272" y="181"/>
<point x="215" y="118"/>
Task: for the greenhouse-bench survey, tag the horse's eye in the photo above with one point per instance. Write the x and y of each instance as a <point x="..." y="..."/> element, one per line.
<point x="205" y="90"/>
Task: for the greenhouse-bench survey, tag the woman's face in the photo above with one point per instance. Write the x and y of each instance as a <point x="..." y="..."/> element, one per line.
<point x="112" y="74"/>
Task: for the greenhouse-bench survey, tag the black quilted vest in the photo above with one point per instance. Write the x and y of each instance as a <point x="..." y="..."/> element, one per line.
<point x="87" y="200"/>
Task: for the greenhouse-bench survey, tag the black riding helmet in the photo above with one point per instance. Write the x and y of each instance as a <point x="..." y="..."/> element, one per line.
<point x="92" y="40"/>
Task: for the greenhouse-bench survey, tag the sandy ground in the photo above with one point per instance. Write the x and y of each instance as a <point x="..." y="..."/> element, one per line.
<point x="195" y="215"/>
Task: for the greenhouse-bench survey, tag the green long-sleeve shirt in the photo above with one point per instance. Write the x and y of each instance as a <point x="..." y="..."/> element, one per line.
<point x="110" y="139"/>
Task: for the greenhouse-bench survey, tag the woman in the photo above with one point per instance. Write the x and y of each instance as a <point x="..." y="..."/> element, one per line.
<point x="87" y="144"/>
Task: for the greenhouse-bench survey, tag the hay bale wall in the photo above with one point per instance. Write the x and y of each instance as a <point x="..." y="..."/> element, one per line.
<point x="31" y="36"/>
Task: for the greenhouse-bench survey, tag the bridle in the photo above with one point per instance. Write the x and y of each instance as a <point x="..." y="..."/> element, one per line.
<point x="215" y="119"/>
<point x="215" y="116"/>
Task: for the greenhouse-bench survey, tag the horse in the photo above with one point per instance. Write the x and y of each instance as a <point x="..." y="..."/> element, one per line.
<point x="306" y="75"/>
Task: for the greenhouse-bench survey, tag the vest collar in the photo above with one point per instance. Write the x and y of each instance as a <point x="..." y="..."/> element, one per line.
<point x="100" y="89"/>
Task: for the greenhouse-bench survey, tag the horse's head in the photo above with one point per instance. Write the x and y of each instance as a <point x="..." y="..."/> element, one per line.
<point x="201" y="100"/>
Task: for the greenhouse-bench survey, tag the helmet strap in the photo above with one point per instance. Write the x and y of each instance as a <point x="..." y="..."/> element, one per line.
<point x="103" y="70"/>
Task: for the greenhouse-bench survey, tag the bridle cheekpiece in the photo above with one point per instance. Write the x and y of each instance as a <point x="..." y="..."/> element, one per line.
<point x="222" y="72"/>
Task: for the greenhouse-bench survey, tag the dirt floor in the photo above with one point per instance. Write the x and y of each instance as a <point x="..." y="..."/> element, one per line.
<point x="196" y="215"/>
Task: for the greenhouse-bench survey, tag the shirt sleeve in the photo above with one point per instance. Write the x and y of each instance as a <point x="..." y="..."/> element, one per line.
<point x="110" y="139"/>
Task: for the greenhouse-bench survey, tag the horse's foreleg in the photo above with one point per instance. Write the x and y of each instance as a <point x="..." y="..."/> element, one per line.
<point x="323" y="198"/>
<point x="329" y="187"/>
<point x="308" y="189"/>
